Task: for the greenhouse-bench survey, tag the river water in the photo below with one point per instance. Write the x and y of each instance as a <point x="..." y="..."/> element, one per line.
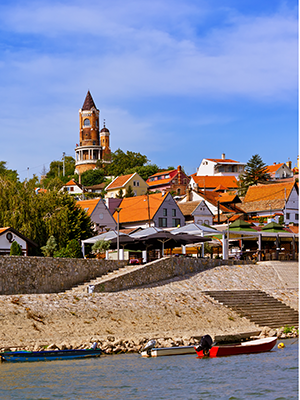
<point x="272" y="375"/>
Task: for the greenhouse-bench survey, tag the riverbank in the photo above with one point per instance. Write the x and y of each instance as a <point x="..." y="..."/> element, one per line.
<point x="173" y="312"/>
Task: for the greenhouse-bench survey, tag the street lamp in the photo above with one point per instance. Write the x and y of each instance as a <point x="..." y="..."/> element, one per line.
<point x="118" y="209"/>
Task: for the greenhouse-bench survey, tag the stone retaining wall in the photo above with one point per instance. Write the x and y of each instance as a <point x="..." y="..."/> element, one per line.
<point x="20" y="275"/>
<point x="160" y="270"/>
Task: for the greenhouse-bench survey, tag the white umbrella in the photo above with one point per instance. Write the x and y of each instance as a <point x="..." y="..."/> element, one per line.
<point x="195" y="229"/>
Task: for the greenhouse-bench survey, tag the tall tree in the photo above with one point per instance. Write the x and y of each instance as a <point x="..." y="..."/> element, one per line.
<point x="121" y="162"/>
<point x="8" y="173"/>
<point x="255" y="172"/>
<point x="38" y="216"/>
<point x="92" y="177"/>
<point x="58" y="167"/>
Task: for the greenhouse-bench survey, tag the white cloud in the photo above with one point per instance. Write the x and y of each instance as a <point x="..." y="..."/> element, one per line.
<point x="126" y="54"/>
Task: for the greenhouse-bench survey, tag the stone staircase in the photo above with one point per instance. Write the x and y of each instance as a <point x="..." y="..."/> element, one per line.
<point x="257" y="306"/>
<point x="84" y="287"/>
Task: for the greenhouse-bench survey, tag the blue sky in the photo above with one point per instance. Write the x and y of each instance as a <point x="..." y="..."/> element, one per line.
<point x="176" y="80"/>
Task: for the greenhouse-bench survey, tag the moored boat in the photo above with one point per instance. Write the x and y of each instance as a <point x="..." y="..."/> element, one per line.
<point x="48" y="355"/>
<point x="252" y="346"/>
<point x="168" y="351"/>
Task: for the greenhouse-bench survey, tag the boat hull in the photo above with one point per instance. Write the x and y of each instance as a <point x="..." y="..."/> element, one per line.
<point x="22" y="356"/>
<point x="168" y="351"/>
<point x="253" y="346"/>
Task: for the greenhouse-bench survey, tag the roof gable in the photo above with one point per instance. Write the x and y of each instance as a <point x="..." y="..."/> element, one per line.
<point x="88" y="205"/>
<point x="139" y="208"/>
<point x="277" y="191"/>
<point x="120" y="181"/>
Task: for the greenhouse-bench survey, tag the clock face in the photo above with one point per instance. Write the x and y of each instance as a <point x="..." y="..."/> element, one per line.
<point x="101" y="216"/>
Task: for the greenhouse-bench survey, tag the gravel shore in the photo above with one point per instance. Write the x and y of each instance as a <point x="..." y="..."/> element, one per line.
<point x="174" y="312"/>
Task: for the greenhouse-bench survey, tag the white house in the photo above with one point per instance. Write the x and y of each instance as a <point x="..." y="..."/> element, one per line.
<point x="273" y="199"/>
<point x="9" y="235"/>
<point x="196" y="212"/>
<point x="279" y="171"/>
<point x="72" y="187"/>
<point x="220" y="167"/>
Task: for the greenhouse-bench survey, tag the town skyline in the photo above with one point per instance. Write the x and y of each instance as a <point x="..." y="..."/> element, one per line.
<point x="177" y="82"/>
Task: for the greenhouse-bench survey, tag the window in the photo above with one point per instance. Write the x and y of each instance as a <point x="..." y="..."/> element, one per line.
<point x="173" y="212"/>
<point x="162" y="222"/>
<point x="133" y="183"/>
<point x="137" y="183"/>
<point x="86" y="122"/>
<point x="71" y="189"/>
<point x="296" y="217"/>
<point x="175" y="222"/>
<point x="165" y="212"/>
<point x="287" y="215"/>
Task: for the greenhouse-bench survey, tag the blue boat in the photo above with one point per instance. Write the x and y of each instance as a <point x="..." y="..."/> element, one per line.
<point x="48" y="355"/>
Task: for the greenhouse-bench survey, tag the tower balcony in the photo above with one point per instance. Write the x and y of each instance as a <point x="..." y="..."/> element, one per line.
<point x="87" y="154"/>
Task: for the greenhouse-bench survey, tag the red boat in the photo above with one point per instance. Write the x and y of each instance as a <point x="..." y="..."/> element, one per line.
<point x="253" y="346"/>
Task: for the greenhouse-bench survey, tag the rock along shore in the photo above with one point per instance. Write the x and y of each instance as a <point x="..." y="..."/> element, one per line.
<point x="174" y="312"/>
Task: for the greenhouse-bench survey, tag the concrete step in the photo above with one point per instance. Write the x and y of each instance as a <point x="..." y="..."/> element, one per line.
<point x="84" y="287"/>
<point x="257" y="306"/>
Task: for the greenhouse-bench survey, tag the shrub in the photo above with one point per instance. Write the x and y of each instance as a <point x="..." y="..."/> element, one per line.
<point x="73" y="250"/>
<point x="50" y="247"/>
<point x="15" y="249"/>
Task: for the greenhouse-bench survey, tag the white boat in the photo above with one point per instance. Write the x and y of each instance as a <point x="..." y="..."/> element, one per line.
<point x="167" y="351"/>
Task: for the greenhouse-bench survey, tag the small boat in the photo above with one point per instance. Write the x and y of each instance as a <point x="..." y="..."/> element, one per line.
<point x="49" y="355"/>
<point x="168" y="351"/>
<point x="252" y="346"/>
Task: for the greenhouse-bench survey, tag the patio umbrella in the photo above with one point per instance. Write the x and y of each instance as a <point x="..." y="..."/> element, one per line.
<point x="195" y="229"/>
<point x="168" y="240"/>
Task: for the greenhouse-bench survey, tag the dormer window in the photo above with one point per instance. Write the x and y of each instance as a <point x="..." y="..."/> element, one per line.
<point x="86" y="122"/>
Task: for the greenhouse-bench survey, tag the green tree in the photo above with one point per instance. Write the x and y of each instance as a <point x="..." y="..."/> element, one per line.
<point x="122" y="162"/>
<point x="144" y="171"/>
<point x="57" y="167"/>
<point x="73" y="250"/>
<point x="39" y="216"/>
<point x="255" y="173"/>
<point x="92" y="177"/>
<point x="8" y="173"/>
<point x="120" y="194"/>
<point x="50" y="247"/>
<point x="100" y="246"/>
<point x="129" y="192"/>
<point x="15" y="249"/>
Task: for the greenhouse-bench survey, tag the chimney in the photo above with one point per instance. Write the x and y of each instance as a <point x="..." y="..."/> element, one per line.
<point x="179" y="176"/>
<point x="223" y="156"/>
<point x="189" y="193"/>
<point x="289" y="164"/>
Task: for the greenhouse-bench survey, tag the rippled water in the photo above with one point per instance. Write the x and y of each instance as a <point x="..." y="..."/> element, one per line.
<point x="272" y="375"/>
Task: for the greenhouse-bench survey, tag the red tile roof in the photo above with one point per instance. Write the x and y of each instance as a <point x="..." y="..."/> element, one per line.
<point x="273" y="168"/>
<point x="267" y="197"/>
<point x="119" y="182"/>
<point x="276" y="191"/>
<point x="221" y="160"/>
<point x="136" y="208"/>
<point x="212" y="182"/>
<point x="72" y="183"/>
<point x="88" y="205"/>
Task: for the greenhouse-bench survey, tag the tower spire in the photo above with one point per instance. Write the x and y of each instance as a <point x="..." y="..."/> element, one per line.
<point x="88" y="102"/>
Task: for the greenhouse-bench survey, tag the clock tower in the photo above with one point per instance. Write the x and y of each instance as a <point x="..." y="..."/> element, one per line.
<point x="92" y="146"/>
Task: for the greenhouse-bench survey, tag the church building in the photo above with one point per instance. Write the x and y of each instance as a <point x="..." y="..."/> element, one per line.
<point x="92" y="146"/>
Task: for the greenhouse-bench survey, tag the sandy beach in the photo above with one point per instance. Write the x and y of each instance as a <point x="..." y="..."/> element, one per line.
<point x="175" y="312"/>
